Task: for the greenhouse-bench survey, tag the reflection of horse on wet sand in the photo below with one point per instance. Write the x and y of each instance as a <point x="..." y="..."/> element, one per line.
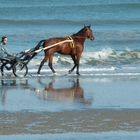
<point x="73" y="93"/>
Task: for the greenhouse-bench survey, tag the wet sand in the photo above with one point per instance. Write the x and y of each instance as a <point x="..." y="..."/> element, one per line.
<point x="70" y="107"/>
<point x="69" y="121"/>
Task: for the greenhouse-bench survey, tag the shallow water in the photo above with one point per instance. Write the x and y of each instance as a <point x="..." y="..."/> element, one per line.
<point x="59" y="93"/>
<point x="82" y="136"/>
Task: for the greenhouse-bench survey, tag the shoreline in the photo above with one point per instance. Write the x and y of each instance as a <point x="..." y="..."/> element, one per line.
<point x="90" y="136"/>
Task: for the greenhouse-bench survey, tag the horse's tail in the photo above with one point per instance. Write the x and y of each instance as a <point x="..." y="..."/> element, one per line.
<point x="39" y="44"/>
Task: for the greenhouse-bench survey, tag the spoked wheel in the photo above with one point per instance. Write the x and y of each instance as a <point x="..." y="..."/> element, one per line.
<point x="6" y="69"/>
<point x="20" y="69"/>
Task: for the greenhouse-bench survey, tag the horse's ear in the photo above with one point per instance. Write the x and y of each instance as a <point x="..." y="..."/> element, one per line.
<point x="89" y="26"/>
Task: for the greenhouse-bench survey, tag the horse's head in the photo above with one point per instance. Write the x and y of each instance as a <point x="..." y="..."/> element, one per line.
<point x="88" y="33"/>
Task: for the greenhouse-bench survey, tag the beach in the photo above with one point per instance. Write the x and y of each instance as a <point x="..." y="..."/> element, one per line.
<point x="70" y="107"/>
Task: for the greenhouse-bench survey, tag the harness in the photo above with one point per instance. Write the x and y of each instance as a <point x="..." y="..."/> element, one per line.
<point x="72" y="42"/>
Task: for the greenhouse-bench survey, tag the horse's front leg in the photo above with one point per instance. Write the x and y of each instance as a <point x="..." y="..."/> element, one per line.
<point x="77" y="71"/>
<point x="77" y="64"/>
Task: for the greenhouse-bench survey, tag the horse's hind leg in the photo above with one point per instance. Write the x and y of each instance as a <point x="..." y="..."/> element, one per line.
<point x="40" y="67"/>
<point x="50" y="63"/>
<point x="41" y="64"/>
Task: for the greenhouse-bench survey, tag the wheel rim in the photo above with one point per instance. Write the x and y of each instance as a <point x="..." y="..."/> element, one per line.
<point x="20" y="69"/>
<point x="5" y="71"/>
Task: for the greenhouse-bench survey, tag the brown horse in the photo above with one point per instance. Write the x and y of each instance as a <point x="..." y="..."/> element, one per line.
<point x="72" y="45"/>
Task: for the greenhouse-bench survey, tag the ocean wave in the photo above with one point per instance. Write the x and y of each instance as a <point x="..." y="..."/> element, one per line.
<point x="40" y="22"/>
<point x="89" y="11"/>
<point x="37" y="21"/>
<point x="109" y="56"/>
<point x="48" y="4"/>
<point x="95" y="22"/>
<point x="104" y="57"/>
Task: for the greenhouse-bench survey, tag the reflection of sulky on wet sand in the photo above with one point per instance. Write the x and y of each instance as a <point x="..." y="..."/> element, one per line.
<point x="11" y="84"/>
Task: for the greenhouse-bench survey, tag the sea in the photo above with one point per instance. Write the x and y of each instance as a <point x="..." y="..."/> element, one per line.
<point x="115" y="25"/>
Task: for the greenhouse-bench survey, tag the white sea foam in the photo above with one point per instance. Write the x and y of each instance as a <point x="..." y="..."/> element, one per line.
<point x="103" y="57"/>
<point x="110" y="71"/>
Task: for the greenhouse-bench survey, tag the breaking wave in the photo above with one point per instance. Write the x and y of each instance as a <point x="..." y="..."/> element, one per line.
<point x="104" y="57"/>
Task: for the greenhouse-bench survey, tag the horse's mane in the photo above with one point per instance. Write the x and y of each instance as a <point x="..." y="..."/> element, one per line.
<point x="79" y="32"/>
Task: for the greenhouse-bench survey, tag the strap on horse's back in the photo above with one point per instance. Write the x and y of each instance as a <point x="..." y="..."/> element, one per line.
<point x="72" y="42"/>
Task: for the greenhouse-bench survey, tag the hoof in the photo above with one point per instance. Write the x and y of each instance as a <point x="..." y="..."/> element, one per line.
<point x="69" y="72"/>
<point x="38" y="72"/>
<point x="56" y="74"/>
<point x="78" y="73"/>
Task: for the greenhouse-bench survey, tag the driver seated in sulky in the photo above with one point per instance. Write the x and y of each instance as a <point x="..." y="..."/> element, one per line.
<point x="3" y="49"/>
